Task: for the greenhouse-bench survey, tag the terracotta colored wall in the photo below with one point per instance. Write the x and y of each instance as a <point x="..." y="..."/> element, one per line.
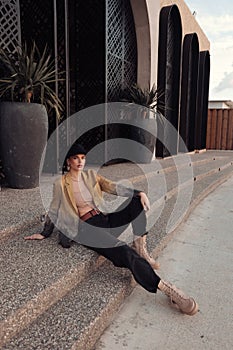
<point x="189" y="22"/>
<point x="146" y="17"/>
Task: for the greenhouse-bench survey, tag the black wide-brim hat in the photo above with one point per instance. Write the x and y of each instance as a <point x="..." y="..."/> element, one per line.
<point x="75" y="149"/>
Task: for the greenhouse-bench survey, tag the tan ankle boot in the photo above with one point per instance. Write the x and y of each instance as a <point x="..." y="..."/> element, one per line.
<point x="186" y="304"/>
<point x="139" y="245"/>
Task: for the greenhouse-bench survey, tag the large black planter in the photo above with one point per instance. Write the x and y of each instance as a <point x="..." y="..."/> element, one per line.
<point x="142" y="132"/>
<point x="23" y="135"/>
<point x="146" y="139"/>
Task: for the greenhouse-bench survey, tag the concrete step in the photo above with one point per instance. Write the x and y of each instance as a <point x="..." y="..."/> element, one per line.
<point x="55" y="298"/>
<point x="78" y="319"/>
<point x="22" y="209"/>
<point x="35" y="275"/>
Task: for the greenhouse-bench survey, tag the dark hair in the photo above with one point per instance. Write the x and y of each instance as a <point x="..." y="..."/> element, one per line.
<point x="76" y="148"/>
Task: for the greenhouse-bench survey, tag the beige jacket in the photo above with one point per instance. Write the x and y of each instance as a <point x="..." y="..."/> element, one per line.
<point x="63" y="211"/>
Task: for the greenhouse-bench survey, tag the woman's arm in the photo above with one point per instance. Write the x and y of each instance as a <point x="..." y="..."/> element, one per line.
<point x="51" y="217"/>
<point x="121" y="190"/>
<point x="144" y="200"/>
<point x="47" y="231"/>
<point x="115" y="188"/>
<point x="35" y="236"/>
<point x="55" y="204"/>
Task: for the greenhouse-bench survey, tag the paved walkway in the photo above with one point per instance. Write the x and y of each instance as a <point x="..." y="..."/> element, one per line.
<point x="199" y="259"/>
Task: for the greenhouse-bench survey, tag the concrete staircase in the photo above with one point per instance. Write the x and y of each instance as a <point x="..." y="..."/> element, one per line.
<point x="55" y="298"/>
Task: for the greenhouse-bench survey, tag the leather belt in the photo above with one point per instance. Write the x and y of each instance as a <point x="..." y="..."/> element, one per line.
<point x="90" y="214"/>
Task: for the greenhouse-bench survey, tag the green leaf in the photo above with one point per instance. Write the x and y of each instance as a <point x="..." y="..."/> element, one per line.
<point x="28" y="70"/>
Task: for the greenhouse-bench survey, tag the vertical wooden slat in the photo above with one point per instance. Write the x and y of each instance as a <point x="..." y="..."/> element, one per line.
<point x="224" y="129"/>
<point x="219" y="129"/>
<point x="230" y="130"/>
<point x="213" y="129"/>
<point x="209" y="122"/>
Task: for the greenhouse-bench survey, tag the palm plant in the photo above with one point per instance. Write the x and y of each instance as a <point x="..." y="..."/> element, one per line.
<point x="149" y="98"/>
<point x="30" y="76"/>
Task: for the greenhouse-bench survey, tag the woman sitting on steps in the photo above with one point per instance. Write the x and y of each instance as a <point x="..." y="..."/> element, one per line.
<point x="75" y="211"/>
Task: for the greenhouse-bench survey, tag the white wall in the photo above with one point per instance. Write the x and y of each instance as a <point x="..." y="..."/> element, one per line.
<point x="217" y="105"/>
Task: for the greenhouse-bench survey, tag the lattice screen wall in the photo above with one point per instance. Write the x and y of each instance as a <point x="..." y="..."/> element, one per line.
<point x="121" y="48"/>
<point x="9" y="30"/>
<point x="101" y="46"/>
<point x="9" y="24"/>
<point x="90" y="52"/>
<point x="107" y="64"/>
<point x="107" y="50"/>
<point x="121" y="65"/>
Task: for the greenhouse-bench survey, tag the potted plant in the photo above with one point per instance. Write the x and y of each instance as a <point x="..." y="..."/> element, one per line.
<point x="26" y="89"/>
<point x="148" y="99"/>
<point x="143" y="111"/>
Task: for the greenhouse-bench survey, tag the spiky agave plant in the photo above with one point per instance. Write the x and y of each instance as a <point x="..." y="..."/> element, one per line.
<point x="148" y="98"/>
<point x="29" y="76"/>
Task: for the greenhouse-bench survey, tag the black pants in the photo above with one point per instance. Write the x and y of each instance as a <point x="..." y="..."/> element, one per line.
<point x="100" y="234"/>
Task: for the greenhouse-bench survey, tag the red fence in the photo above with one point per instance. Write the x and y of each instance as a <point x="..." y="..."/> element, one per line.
<point x="220" y="129"/>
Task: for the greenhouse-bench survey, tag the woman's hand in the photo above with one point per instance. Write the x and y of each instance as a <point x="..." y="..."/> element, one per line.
<point x="36" y="236"/>
<point x="145" y="201"/>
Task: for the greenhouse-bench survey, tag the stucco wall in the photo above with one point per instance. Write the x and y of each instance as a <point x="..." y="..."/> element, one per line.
<point x="189" y="22"/>
<point x="146" y="18"/>
<point x="153" y="7"/>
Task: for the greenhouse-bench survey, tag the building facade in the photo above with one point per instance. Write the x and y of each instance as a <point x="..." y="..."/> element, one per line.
<point x="106" y="45"/>
<point x="220" y="104"/>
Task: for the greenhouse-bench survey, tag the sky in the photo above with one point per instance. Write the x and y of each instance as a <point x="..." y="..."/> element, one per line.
<point x="216" y="20"/>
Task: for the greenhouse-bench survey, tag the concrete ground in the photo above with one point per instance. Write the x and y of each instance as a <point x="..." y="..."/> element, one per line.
<point x="198" y="260"/>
